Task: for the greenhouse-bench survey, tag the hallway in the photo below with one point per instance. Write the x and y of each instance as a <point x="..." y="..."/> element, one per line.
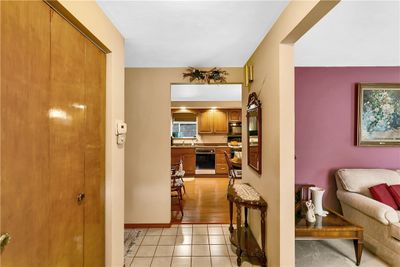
<point x="204" y="202"/>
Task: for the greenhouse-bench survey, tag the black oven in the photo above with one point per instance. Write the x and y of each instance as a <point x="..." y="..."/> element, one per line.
<point x="205" y="161"/>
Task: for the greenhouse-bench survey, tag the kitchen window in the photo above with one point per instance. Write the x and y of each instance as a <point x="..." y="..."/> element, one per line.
<point x="184" y="129"/>
<point x="184" y="124"/>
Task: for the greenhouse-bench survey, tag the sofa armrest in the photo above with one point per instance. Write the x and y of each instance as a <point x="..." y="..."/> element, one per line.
<point x="375" y="209"/>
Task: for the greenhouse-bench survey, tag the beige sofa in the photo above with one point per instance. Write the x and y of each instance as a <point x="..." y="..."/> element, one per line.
<point x="381" y="222"/>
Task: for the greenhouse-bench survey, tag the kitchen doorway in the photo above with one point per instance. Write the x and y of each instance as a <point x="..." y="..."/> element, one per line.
<point x="205" y="133"/>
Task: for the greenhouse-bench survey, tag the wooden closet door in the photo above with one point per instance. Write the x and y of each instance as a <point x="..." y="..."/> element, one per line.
<point x="94" y="227"/>
<point x="52" y="102"/>
<point x="67" y="144"/>
<point x="24" y="94"/>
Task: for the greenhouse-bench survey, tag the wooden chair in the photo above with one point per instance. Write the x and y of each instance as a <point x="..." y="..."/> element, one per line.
<point x="231" y="171"/>
<point x="177" y="185"/>
<point x="175" y="167"/>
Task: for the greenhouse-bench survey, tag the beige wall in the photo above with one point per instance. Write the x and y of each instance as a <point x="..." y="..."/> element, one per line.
<point x="147" y="153"/>
<point x="274" y="79"/>
<point x="206" y="104"/>
<point x="90" y="15"/>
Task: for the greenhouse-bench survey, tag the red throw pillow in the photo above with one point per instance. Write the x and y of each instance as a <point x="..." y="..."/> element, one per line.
<point x="395" y="192"/>
<point x="382" y="194"/>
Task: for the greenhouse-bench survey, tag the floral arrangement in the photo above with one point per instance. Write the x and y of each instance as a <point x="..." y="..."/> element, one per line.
<point x="215" y="75"/>
<point x="381" y="110"/>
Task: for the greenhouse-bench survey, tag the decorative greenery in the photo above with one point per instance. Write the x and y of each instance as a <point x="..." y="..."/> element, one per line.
<point x="381" y="110"/>
<point x="215" y="75"/>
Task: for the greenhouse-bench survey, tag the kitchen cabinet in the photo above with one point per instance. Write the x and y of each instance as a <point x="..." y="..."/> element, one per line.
<point x="188" y="156"/>
<point x="205" y="122"/>
<point x="221" y="167"/>
<point x="213" y="122"/>
<point x="235" y="115"/>
<point x="220" y="119"/>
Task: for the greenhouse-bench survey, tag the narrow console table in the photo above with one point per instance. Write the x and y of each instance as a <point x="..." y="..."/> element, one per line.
<point x="243" y="195"/>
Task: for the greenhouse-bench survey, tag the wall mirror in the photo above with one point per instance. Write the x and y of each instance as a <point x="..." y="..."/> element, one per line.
<point x="254" y="127"/>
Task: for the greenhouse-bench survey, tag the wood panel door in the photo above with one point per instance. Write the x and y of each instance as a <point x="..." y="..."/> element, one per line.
<point x="52" y="122"/>
<point x="25" y="87"/>
<point x="220" y="121"/>
<point x="94" y="141"/>
<point x="205" y="121"/>
<point x="67" y="162"/>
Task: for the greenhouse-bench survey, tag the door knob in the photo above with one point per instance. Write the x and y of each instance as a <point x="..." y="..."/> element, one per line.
<point x="80" y="197"/>
<point x="4" y="240"/>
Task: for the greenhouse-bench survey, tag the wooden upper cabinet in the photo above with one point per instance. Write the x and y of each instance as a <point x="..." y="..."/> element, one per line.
<point x="213" y="122"/>
<point x="235" y="115"/>
<point x="205" y="122"/>
<point x="220" y="119"/>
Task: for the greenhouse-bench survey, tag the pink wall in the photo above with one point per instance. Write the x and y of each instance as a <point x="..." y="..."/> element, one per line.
<point x="326" y="121"/>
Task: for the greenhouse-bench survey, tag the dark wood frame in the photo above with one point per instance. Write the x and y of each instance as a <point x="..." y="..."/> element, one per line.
<point x="255" y="103"/>
<point x="361" y="87"/>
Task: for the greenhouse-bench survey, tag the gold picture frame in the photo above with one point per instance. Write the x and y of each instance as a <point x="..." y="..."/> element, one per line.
<point x="378" y="114"/>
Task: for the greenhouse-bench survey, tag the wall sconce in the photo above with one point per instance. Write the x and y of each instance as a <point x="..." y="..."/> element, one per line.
<point x="248" y="73"/>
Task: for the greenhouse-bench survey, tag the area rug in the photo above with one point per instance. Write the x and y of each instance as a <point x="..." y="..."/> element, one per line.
<point x="332" y="253"/>
<point x="132" y="238"/>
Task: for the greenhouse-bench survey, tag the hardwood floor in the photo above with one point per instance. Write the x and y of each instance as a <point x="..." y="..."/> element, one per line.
<point x="204" y="202"/>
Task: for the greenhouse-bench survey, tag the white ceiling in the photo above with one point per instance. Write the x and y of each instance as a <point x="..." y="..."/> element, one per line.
<point x="354" y="33"/>
<point x="206" y="92"/>
<point x="225" y="33"/>
<point x="191" y="33"/>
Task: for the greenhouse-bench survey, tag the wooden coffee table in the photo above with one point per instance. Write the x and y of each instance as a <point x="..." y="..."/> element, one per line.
<point x="333" y="226"/>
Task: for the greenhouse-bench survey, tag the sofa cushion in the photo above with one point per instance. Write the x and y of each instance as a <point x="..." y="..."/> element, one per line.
<point x="382" y="194"/>
<point x="395" y="192"/>
<point x="359" y="180"/>
<point x="395" y="230"/>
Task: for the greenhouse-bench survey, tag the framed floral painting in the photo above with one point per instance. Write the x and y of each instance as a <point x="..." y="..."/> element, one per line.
<point x="378" y="114"/>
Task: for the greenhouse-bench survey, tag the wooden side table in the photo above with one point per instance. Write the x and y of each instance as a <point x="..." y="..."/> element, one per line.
<point x="242" y="237"/>
<point x="333" y="226"/>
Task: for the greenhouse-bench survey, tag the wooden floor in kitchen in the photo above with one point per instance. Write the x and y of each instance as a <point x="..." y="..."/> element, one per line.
<point x="204" y="202"/>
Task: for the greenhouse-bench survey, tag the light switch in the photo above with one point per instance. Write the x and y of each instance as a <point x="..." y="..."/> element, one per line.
<point x="122" y="127"/>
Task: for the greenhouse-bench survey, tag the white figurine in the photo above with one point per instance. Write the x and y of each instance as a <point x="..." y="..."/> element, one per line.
<point x="310" y="215"/>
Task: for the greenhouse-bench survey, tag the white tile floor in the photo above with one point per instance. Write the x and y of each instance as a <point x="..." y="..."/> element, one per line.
<point x="202" y="245"/>
<point x="198" y="245"/>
